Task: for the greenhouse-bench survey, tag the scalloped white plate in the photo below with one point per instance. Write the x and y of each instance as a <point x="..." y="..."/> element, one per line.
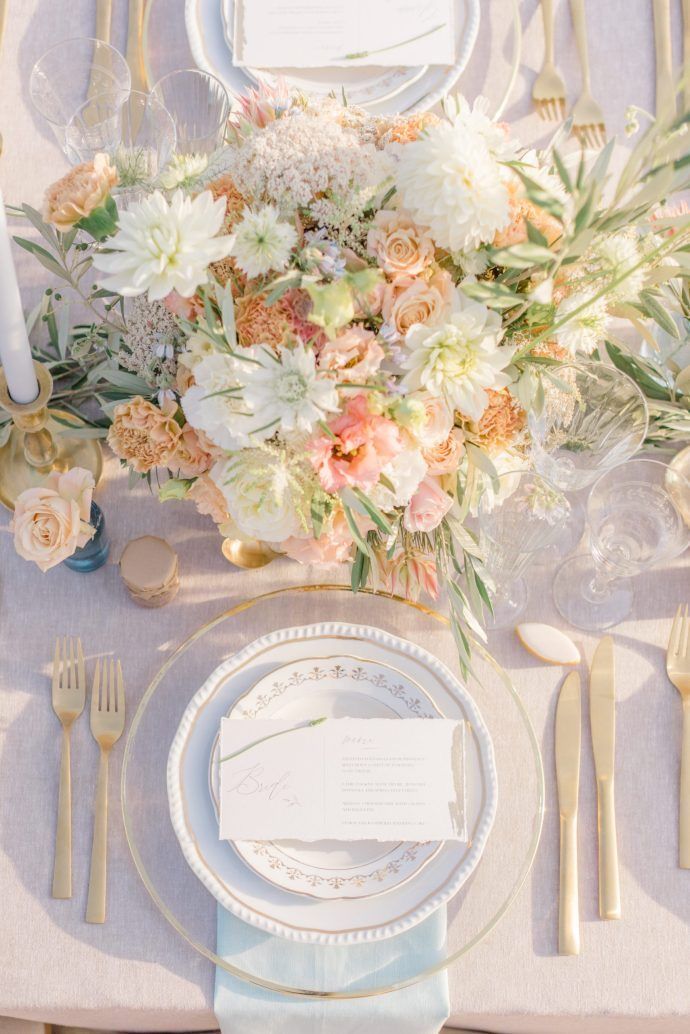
<point x="293" y="916"/>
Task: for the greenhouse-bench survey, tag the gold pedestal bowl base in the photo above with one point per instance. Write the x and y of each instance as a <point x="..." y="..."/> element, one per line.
<point x="248" y="554"/>
<point x="16" y="474"/>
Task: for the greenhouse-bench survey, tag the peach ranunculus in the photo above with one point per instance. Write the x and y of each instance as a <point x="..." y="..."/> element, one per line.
<point x="356" y="450"/>
<point x="355" y="354"/>
<point x="144" y="435"/>
<point x="427" y="507"/>
<point x="75" y="196"/>
<point x="445" y="457"/>
<point x="521" y="211"/>
<point x="333" y="546"/>
<point x="399" y="245"/>
<point x="51" y="521"/>
<point x="410" y="300"/>
<point x="208" y="499"/>
<point x="190" y="457"/>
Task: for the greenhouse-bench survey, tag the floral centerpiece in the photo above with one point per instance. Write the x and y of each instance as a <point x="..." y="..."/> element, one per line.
<point x="330" y="334"/>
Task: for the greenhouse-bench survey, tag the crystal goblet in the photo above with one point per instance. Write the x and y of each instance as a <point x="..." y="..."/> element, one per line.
<point x="70" y="72"/>
<point x="199" y="106"/>
<point x="635" y="520"/>
<point x="520" y="514"/>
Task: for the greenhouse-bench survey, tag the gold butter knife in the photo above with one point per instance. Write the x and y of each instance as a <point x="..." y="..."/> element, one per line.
<point x="134" y="52"/>
<point x="686" y="54"/>
<point x="602" y="709"/>
<point x="665" y="89"/>
<point x="104" y="17"/>
<point x="568" y="736"/>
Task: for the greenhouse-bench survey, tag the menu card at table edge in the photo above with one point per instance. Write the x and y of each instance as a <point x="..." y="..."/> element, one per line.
<point x="342" y="779"/>
<point x="330" y="33"/>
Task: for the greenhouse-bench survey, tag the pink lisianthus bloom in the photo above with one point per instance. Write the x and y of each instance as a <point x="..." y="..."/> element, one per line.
<point x="333" y="546"/>
<point x="360" y="445"/>
<point x="355" y="354"/>
<point x="427" y="507"/>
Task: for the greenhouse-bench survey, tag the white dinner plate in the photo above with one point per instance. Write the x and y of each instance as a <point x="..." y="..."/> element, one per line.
<point x="332" y="687"/>
<point x="211" y="51"/>
<point x="271" y="908"/>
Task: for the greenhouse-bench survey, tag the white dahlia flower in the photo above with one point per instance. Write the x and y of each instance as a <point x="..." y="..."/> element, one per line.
<point x="285" y="392"/>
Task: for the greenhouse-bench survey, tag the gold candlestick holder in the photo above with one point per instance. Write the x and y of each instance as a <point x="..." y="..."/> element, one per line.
<point x="39" y="443"/>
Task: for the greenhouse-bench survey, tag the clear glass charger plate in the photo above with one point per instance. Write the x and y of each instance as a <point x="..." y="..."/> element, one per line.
<point x="183" y="900"/>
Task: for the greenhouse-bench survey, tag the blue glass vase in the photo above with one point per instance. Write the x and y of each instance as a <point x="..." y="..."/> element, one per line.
<point x="95" y="553"/>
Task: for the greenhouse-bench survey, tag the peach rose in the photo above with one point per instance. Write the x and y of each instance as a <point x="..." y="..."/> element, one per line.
<point x="410" y="300"/>
<point x="438" y="420"/>
<point x="51" y="521"/>
<point x="144" y="435"/>
<point x="355" y="354"/>
<point x="76" y="195"/>
<point x="333" y="546"/>
<point x="445" y="457"/>
<point x="208" y="499"/>
<point x="190" y="457"/>
<point x="399" y="245"/>
<point x="522" y="210"/>
<point x="427" y="507"/>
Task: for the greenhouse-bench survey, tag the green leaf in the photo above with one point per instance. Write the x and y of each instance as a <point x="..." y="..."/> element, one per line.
<point x="48" y="232"/>
<point x="521" y="256"/>
<point x="659" y="314"/>
<point x="44" y="257"/>
<point x="355" y="532"/>
<point x="373" y="511"/>
<point x="535" y="235"/>
<point x="562" y="171"/>
<point x="175" y="488"/>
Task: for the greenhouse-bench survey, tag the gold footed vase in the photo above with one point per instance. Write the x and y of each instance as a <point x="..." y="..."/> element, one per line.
<point x="248" y="553"/>
<point x="38" y="443"/>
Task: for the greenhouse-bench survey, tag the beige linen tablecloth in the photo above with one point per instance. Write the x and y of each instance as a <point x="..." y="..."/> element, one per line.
<point x="135" y="973"/>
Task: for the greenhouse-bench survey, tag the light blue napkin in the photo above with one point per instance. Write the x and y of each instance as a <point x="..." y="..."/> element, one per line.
<point x="243" y="1008"/>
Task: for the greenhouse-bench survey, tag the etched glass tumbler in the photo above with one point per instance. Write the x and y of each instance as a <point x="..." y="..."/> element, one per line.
<point x="635" y="519"/>
<point x="199" y="106"/>
<point x="520" y="514"/>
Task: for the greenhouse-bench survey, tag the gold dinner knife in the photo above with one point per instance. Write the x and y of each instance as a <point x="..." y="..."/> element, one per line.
<point x="568" y="736"/>
<point x="665" y="87"/>
<point x="602" y="711"/>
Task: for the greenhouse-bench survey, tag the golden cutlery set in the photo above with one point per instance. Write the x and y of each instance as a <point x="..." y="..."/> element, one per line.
<point x="107" y="715"/>
<point x="134" y="52"/>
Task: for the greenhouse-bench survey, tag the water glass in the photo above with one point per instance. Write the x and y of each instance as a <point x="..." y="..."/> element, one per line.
<point x="71" y="72"/>
<point x="520" y="514"/>
<point x="200" y="107"/>
<point x="635" y="520"/>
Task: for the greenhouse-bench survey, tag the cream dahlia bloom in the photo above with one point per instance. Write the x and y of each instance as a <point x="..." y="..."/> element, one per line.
<point x="261" y="493"/>
<point x="460" y="359"/>
<point x="263" y="241"/>
<point x="214" y="403"/>
<point x="162" y="247"/>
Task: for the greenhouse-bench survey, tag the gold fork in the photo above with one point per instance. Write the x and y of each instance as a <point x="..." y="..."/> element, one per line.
<point x="548" y="92"/>
<point x="588" y="118"/>
<point x="678" y="670"/>
<point x="69" y="694"/>
<point x="107" y="723"/>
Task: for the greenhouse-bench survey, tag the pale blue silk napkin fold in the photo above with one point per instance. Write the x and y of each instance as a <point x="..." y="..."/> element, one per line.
<point x="243" y="1008"/>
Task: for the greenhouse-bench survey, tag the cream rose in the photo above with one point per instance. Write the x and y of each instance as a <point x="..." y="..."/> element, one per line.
<point x="51" y="521"/>
<point x="438" y="420"/>
<point x="399" y="245"/>
<point x="75" y="196"/>
<point x="445" y="457"/>
<point x="260" y="494"/>
<point x="411" y="300"/>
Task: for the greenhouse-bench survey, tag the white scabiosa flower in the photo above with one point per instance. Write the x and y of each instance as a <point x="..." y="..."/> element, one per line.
<point x="214" y="404"/>
<point x="163" y="246"/>
<point x="618" y="255"/>
<point x="449" y="180"/>
<point x="286" y="392"/>
<point x="585" y="330"/>
<point x="262" y="494"/>
<point x="459" y="359"/>
<point x="263" y="241"/>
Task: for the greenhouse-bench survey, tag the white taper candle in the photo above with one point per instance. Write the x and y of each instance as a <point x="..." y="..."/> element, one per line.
<point x="15" y="350"/>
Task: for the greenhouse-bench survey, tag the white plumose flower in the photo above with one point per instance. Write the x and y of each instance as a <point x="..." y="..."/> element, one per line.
<point x="449" y="180"/>
<point x="459" y="359"/>
<point x="263" y="241"/>
<point x="182" y="167"/>
<point x="262" y="495"/>
<point x="214" y="404"/>
<point x="161" y="246"/>
<point x="618" y="255"/>
<point x="285" y="392"/>
<point x="586" y="330"/>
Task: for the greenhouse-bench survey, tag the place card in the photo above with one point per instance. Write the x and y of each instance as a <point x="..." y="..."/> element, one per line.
<point x="342" y="779"/>
<point x="337" y="33"/>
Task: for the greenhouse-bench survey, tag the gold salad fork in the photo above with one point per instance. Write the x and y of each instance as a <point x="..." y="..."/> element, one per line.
<point x="107" y="724"/>
<point x="588" y="118"/>
<point x="69" y="694"/>
<point x="548" y="92"/>
<point x="678" y="670"/>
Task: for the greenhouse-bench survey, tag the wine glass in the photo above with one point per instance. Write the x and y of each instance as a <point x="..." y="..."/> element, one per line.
<point x="71" y="72"/>
<point x="199" y="105"/>
<point x="635" y="519"/>
<point x="520" y="514"/>
<point x="594" y="418"/>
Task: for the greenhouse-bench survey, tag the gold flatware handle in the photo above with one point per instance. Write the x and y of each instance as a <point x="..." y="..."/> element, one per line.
<point x="134" y="52"/>
<point x="665" y="89"/>
<point x="62" y="867"/>
<point x="547" y="15"/>
<point x="577" y="11"/>
<point x="686" y="53"/>
<point x="684" y="817"/>
<point x="609" y="880"/>
<point x="568" y="905"/>
<point x="95" y="906"/>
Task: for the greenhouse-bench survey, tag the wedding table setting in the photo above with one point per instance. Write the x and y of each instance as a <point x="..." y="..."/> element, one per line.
<point x="344" y="379"/>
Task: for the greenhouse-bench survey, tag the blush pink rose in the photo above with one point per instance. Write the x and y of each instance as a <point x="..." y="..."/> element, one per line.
<point x="359" y="446"/>
<point x="427" y="507"/>
<point x="417" y="299"/>
<point x="355" y="354"/>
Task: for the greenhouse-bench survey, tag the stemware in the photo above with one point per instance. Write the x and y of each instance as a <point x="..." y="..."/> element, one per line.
<point x="520" y="514"/>
<point x="70" y="72"/>
<point x="594" y="418"/>
<point x="133" y="129"/>
<point x="635" y="520"/>
<point x="199" y="105"/>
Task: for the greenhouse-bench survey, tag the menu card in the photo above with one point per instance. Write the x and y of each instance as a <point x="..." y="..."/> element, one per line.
<point x="342" y="779"/>
<point x="322" y="33"/>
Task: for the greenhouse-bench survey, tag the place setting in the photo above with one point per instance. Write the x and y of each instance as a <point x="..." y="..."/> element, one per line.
<point x="358" y="429"/>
